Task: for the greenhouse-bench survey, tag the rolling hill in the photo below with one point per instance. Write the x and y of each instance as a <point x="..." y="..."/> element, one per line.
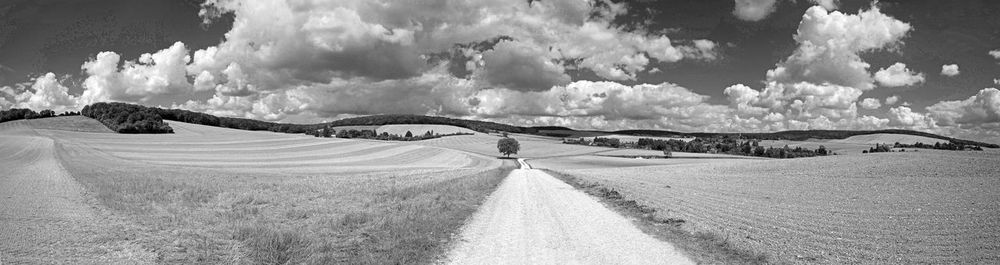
<point x="485" y="126"/>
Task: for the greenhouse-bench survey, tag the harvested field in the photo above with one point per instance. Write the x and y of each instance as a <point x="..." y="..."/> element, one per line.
<point x="420" y="129"/>
<point x="644" y="152"/>
<point x="222" y="196"/>
<point x="837" y="147"/>
<point x="531" y="146"/>
<point x="903" y="208"/>
<point x="887" y="138"/>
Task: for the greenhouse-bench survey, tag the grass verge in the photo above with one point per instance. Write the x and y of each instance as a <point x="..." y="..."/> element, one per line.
<point x="701" y="246"/>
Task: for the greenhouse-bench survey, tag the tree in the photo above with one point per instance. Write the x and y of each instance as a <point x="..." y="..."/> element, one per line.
<point x="327" y="132"/>
<point x="408" y="134"/>
<point x="508" y="146"/>
<point x="667" y="153"/>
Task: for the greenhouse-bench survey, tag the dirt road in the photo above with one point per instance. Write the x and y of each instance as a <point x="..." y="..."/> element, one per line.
<point x="533" y="218"/>
<point x="44" y="217"/>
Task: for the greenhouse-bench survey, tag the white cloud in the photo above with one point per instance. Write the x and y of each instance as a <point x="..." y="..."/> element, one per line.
<point x="819" y="85"/>
<point x="829" y="44"/>
<point x="157" y="74"/>
<point x="982" y="108"/>
<point x="753" y="10"/>
<point x="898" y="75"/>
<point x="891" y="100"/>
<point x="995" y="54"/>
<point x="46" y="92"/>
<point x="828" y="4"/>
<point x="996" y="82"/>
<point x="701" y="49"/>
<point x="870" y="103"/>
<point x="903" y="116"/>
<point x="949" y="70"/>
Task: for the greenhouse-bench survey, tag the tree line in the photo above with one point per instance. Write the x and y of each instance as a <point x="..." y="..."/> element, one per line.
<point x="328" y="132"/>
<point x="27" y="114"/>
<point x="127" y="118"/>
<point x="719" y="145"/>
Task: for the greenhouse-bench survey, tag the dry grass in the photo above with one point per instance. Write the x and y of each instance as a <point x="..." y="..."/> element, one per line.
<point x="219" y="196"/>
<point x="925" y="207"/>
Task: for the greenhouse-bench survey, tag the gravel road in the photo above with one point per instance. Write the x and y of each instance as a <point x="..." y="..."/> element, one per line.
<point x="533" y="218"/>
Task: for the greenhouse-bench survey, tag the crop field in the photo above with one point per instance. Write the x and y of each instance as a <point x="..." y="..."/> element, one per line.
<point x="531" y="146"/>
<point x="901" y="208"/>
<point x="221" y="196"/>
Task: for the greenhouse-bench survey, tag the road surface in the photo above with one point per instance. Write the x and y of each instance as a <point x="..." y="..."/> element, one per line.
<point x="533" y="218"/>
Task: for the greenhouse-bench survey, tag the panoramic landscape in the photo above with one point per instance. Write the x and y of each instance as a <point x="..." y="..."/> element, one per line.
<point x="499" y="132"/>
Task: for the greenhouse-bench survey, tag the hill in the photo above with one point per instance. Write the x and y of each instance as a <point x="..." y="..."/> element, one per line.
<point x="109" y="114"/>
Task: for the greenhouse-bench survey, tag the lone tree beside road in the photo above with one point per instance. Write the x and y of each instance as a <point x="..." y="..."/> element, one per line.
<point x="508" y="146"/>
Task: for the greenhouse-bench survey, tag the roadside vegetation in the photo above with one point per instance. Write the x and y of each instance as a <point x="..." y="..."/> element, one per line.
<point x="703" y="247"/>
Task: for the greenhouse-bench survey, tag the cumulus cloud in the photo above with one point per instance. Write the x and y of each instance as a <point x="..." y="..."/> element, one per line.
<point x="903" y="116"/>
<point x="701" y="50"/>
<point x="897" y="75"/>
<point x="45" y="92"/>
<point x="160" y="73"/>
<point x="828" y="4"/>
<point x="949" y="70"/>
<point x="754" y="10"/>
<point x="891" y="100"/>
<point x="819" y="85"/>
<point x="982" y="108"/>
<point x="829" y="44"/>
<point x="995" y="54"/>
<point x="870" y="103"/>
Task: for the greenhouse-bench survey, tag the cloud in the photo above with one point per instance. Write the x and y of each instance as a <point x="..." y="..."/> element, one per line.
<point x="701" y="50"/>
<point x="819" y="84"/>
<point x="903" y="116"/>
<point x="891" y="100"/>
<point x="156" y="74"/>
<point x="977" y="110"/>
<point x="996" y="82"/>
<point x="995" y="54"/>
<point x="870" y="103"/>
<point x="46" y="92"/>
<point x="949" y="70"/>
<point x="522" y="66"/>
<point x="753" y="10"/>
<point x="898" y="75"/>
<point x="828" y="4"/>
<point x="829" y="44"/>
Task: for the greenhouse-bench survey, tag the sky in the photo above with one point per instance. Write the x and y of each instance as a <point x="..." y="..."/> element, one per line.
<point x="714" y="65"/>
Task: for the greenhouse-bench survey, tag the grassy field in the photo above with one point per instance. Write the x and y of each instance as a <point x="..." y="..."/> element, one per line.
<point x="220" y="196"/>
<point x="925" y="207"/>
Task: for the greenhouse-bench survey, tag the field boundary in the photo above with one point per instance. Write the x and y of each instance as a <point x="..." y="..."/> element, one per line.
<point x="704" y="247"/>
